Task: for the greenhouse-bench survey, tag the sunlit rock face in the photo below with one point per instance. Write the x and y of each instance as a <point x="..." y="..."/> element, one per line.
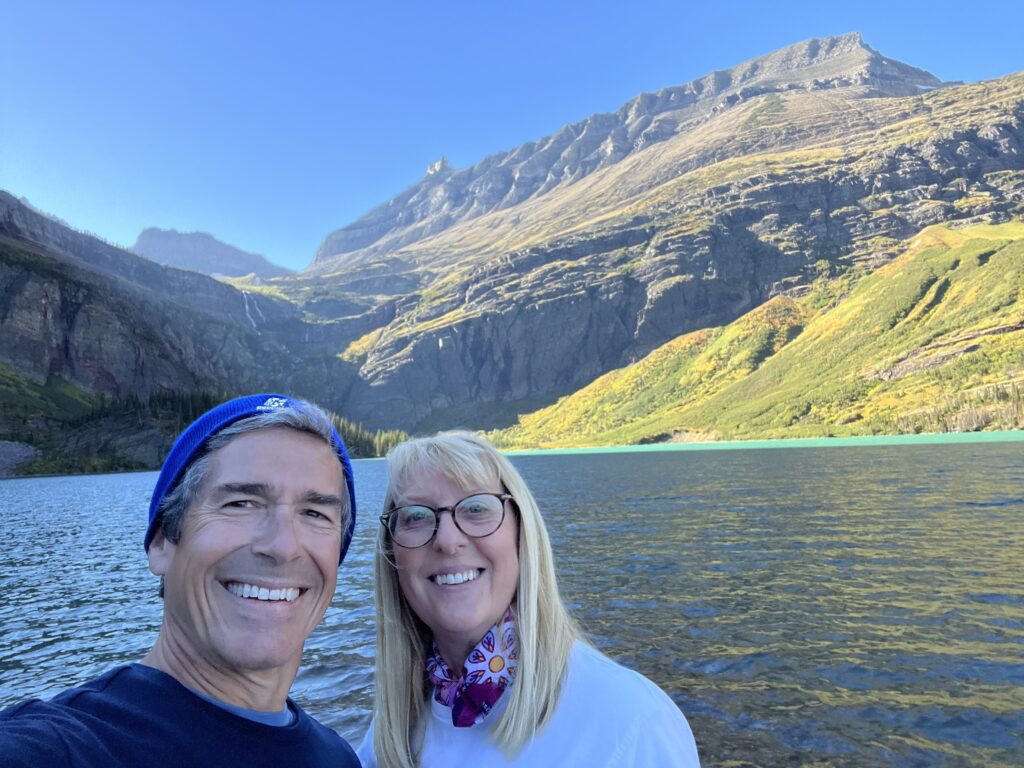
<point x="525" y="276"/>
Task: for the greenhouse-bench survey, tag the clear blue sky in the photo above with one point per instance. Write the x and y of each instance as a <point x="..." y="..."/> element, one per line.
<point x="268" y="124"/>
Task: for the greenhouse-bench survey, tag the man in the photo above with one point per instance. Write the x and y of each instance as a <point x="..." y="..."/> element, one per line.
<point x="252" y="514"/>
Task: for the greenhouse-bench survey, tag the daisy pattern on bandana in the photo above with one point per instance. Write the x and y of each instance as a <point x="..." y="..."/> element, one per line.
<point x="488" y="671"/>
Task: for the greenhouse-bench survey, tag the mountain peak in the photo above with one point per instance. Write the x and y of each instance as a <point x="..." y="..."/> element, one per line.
<point x="840" y="63"/>
<point x="830" y="62"/>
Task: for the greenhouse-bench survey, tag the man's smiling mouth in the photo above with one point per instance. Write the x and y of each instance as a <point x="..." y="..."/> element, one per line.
<point x="241" y="589"/>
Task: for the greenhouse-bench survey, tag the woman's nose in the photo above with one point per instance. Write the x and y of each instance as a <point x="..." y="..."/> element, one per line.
<point x="449" y="538"/>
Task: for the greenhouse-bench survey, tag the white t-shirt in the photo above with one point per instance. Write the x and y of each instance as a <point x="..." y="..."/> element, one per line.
<point x="607" y="715"/>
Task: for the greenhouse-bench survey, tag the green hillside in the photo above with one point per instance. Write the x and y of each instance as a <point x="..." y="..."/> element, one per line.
<point x="23" y="401"/>
<point x="77" y="432"/>
<point x="931" y="342"/>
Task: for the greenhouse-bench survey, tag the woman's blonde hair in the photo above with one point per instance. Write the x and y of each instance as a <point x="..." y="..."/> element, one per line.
<point x="545" y="631"/>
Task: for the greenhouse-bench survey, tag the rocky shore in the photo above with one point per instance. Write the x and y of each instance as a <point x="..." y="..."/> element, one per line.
<point x="12" y="455"/>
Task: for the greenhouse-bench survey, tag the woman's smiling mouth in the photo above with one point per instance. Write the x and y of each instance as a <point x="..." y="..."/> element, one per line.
<point x="460" y="577"/>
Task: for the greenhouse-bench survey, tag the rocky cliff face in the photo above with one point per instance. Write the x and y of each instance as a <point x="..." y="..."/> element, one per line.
<point x="61" y="321"/>
<point x="23" y="224"/>
<point x="815" y="159"/>
<point x="110" y="322"/>
<point x="200" y="252"/>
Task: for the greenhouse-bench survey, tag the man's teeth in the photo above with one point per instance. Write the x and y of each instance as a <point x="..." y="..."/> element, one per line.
<point x="455" y="578"/>
<point x="262" y="593"/>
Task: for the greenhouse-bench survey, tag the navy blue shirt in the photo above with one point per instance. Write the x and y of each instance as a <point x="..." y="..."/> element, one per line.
<point x="139" y="716"/>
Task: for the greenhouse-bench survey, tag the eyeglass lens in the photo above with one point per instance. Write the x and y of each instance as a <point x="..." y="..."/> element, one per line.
<point x="476" y="516"/>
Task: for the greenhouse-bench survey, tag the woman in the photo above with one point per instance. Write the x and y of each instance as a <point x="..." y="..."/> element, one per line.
<point x="478" y="661"/>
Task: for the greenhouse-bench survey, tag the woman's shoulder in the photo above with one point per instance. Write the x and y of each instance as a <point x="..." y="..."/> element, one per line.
<point x="639" y="723"/>
<point x="365" y="753"/>
<point x="597" y="675"/>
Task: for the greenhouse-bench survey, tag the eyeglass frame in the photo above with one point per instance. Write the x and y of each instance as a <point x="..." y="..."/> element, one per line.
<point x="502" y="497"/>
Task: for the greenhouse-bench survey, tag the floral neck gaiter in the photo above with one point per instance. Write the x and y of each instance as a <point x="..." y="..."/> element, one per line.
<point x="488" y="671"/>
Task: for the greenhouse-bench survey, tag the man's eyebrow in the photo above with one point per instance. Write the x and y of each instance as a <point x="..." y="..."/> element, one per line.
<point x="264" y="490"/>
<point x="322" y="499"/>
<point x="250" y="489"/>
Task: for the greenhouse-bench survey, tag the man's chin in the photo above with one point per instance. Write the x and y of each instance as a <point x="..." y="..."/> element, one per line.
<point x="260" y="656"/>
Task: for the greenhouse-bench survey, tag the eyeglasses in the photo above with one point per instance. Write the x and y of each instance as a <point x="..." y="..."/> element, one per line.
<point x="415" y="525"/>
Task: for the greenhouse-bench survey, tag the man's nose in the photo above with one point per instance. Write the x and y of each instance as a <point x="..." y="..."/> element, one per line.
<point x="277" y="536"/>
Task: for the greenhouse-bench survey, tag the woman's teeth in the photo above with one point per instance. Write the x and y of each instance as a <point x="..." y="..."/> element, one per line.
<point x="262" y="593"/>
<point x="455" y="578"/>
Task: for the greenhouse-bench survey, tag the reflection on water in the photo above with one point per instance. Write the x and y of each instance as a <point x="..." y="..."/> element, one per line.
<point x="828" y="607"/>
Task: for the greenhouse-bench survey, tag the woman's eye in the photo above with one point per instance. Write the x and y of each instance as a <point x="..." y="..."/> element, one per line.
<point x="479" y="506"/>
<point x="416" y="516"/>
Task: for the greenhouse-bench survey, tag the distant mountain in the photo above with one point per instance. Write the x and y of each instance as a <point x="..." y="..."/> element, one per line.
<point x="102" y="352"/>
<point x="200" y="252"/>
<point x="91" y="255"/>
<point x="445" y="196"/>
<point x="113" y="323"/>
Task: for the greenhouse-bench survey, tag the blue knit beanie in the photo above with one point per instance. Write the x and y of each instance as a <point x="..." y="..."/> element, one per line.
<point x="191" y="442"/>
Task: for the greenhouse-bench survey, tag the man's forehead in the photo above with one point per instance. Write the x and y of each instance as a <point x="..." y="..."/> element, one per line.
<point x="233" y="464"/>
<point x="275" y="438"/>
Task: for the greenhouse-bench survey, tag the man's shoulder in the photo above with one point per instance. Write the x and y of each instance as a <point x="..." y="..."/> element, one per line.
<point x="133" y="716"/>
<point x="333" y="746"/>
<point x="61" y="705"/>
<point x="31" y="741"/>
<point x="36" y="732"/>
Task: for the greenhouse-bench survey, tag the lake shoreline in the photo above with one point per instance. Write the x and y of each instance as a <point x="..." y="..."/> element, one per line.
<point x="930" y="438"/>
<point x="937" y="438"/>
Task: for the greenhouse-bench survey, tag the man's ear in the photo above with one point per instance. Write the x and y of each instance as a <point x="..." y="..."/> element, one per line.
<point x="161" y="552"/>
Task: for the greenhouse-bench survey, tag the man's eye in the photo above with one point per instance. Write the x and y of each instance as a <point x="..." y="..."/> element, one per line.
<point x="316" y="514"/>
<point x="241" y="504"/>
